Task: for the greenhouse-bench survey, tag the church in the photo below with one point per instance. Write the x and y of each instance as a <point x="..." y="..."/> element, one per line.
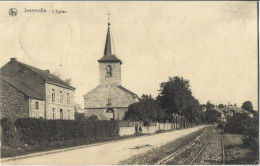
<point x="109" y="100"/>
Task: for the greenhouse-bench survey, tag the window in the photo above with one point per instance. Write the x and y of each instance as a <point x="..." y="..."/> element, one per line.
<point x="53" y="95"/>
<point x="61" y="99"/>
<point x="109" y="71"/>
<point x="61" y="113"/>
<point x="37" y="105"/>
<point x="68" y="114"/>
<point x="20" y="70"/>
<point x="53" y="113"/>
<point x="68" y="98"/>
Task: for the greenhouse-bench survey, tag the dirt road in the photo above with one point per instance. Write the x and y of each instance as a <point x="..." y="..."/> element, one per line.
<point x="109" y="153"/>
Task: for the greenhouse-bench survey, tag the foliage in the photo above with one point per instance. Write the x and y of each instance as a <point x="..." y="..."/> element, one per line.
<point x="221" y="106"/>
<point x="212" y="116"/>
<point x="9" y="136"/>
<point x="77" y="107"/>
<point x="58" y="75"/>
<point x="41" y="131"/>
<point x="79" y="116"/>
<point x="146" y="110"/>
<point x="247" y="126"/>
<point x="221" y="125"/>
<point x="176" y="97"/>
<point x="92" y="117"/>
<point x="247" y="105"/>
<point x="238" y="123"/>
<point x="209" y="106"/>
<point x="251" y="138"/>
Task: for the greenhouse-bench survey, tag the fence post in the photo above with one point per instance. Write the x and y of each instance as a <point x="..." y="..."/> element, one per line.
<point x="181" y="122"/>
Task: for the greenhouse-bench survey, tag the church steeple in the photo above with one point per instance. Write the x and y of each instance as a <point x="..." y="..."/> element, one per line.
<point x="108" y="49"/>
<point x="109" y="56"/>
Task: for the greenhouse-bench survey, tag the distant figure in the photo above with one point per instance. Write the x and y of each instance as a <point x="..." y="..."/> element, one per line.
<point x="140" y="129"/>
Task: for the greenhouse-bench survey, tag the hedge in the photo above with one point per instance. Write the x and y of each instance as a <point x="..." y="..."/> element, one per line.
<point x="41" y="131"/>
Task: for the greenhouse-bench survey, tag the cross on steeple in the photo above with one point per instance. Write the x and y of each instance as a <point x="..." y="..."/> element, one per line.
<point x="108" y="17"/>
<point x="108" y="102"/>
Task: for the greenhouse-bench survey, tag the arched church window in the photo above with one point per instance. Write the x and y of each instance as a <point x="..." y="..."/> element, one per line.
<point x="109" y="71"/>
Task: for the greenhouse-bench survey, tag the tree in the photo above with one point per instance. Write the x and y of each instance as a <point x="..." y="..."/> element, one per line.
<point x="176" y="97"/>
<point x="238" y="123"/>
<point x="77" y="107"/>
<point x="251" y="138"/>
<point x="212" y="116"/>
<point x="221" y="106"/>
<point x="146" y="110"/>
<point x="209" y="106"/>
<point x="247" y="105"/>
<point x="58" y="75"/>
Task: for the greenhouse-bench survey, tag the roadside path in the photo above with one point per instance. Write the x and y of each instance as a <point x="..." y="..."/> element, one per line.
<point x="107" y="153"/>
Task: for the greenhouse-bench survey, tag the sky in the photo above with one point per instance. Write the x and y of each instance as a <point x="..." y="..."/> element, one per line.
<point x="211" y="44"/>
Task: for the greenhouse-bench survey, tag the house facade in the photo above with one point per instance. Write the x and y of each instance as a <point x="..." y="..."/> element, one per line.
<point x="230" y="111"/>
<point x="109" y="100"/>
<point x="29" y="92"/>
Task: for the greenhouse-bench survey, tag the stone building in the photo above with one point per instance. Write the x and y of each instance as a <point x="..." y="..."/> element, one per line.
<point x="28" y="92"/>
<point x="109" y="100"/>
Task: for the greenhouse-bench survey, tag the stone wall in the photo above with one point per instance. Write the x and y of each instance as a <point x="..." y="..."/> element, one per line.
<point x="13" y="103"/>
<point x="95" y="102"/>
<point x="53" y="108"/>
<point x="116" y="74"/>
<point x="102" y="114"/>
<point x="33" y="112"/>
<point x="99" y="97"/>
<point x="124" y="131"/>
<point x="149" y="129"/>
<point x="20" y="73"/>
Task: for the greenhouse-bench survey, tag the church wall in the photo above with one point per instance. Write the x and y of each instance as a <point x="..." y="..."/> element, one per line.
<point x="116" y="74"/>
<point x="119" y="113"/>
<point x="99" y="97"/>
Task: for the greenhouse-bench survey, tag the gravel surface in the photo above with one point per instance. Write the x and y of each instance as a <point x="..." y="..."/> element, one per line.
<point x="186" y="156"/>
<point x="212" y="154"/>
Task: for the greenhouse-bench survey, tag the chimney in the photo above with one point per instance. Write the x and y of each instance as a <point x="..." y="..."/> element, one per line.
<point x="47" y="71"/>
<point x="13" y="59"/>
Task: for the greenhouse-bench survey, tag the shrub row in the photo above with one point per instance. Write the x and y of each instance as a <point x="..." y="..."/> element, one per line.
<point x="243" y="124"/>
<point x="40" y="131"/>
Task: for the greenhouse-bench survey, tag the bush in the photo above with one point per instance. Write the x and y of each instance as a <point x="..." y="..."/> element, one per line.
<point x="92" y="117"/>
<point x="251" y="138"/>
<point x="9" y="135"/>
<point x="40" y="131"/>
<point x="238" y="123"/>
<point x="249" y="127"/>
<point x="79" y="116"/>
<point x="222" y="125"/>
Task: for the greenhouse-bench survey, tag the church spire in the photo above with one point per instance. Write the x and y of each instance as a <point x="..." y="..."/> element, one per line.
<point x="108" y="54"/>
<point x="108" y="49"/>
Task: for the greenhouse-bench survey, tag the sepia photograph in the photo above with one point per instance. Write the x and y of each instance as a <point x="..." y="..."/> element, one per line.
<point x="129" y="83"/>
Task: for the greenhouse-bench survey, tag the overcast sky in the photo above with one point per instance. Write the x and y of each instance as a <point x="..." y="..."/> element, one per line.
<point x="212" y="44"/>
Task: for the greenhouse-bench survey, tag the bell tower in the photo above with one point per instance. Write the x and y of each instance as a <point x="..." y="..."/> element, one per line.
<point x="109" y="64"/>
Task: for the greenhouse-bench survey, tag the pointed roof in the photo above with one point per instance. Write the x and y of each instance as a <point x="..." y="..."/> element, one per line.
<point x="108" y="55"/>
<point x="22" y="88"/>
<point x="48" y="77"/>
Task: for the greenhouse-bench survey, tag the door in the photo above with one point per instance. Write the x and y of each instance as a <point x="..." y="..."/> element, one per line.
<point x="110" y="114"/>
<point x="61" y="113"/>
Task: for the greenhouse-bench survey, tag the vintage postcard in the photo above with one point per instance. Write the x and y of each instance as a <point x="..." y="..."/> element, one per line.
<point x="129" y="83"/>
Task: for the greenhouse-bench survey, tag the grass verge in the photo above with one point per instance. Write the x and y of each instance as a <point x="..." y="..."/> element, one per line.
<point x="235" y="152"/>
